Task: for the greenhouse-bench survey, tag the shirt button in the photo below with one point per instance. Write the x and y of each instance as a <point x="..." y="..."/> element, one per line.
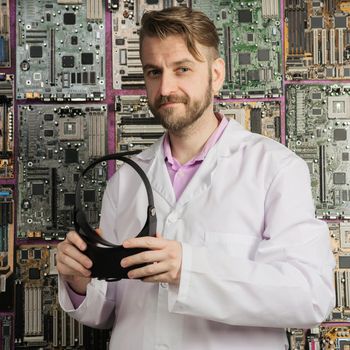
<point x="164" y="285"/>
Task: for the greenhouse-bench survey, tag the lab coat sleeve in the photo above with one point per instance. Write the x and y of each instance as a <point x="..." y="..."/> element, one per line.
<point x="97" y="309"/>
<point x="288" y="282"/>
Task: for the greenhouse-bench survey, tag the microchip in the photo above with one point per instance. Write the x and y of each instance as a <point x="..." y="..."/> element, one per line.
<point x="345" y="156"/>
<point x="24" y="254"/>
<point x="224" y="15"/>
<point x="245" y="16"/>
<point x="71" y="156"/>
<point x="37" y="189"/>
<point x="37" y="254"/>
<point x="48" y="133"/>
<point x="69" y="18"/>
<point x="120" y="41"/>
<point x="85" y="78"/>
<point x="152" y="2"/>
<point x="87" y="58"/>
<point x="250" y="36"/>
<point x="74" y="40"/>
<point x="339" y="134"/>
<point x="340" y="21"/>
<point x="339" y="178"/>
<point x="76" y="177"/>
<point x="253" y="75"/>
<point x="316" y="111"/>
<point x="69" y="199"/>
<point x="48" y="17"/>
<point x="48" y="117"/>
<point x="316" y="96"/>
<point x="93" y="78"/>
<point x="346" y="72"/>
<point x="317" y="22"/>
<point x="330" y="72"/>
<point x="68" y="61"/>
<point x="244" y="58"/>
<point x="89" y="196"/>
<point x="264" y="55"/>
<point x="34" y="273"/>
<point x="344" y="262"/>
<point x="36" y="52"/>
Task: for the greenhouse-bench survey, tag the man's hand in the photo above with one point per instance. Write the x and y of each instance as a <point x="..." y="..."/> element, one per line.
<point x="72" y="264"/>
<point x="163" y="259"/>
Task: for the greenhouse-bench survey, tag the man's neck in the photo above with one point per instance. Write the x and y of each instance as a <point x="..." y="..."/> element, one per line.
<point x="188" y="143"/>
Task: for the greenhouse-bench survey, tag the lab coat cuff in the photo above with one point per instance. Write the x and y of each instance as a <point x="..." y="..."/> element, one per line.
<point x="95" y="287"/>
<point x="178" y="293"/>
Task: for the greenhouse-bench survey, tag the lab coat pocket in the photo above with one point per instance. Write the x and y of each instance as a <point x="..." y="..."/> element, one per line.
<point x="237" y="245"/>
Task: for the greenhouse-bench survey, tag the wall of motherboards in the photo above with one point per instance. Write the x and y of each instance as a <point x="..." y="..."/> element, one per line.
<point x="72" y="89"/>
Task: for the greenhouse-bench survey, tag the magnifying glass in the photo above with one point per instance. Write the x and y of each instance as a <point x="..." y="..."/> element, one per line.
<point x="106" y="256"/>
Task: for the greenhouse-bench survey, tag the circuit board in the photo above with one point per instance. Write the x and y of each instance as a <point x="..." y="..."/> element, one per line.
<point x="127" y="67"/>
<point x="40" y="322"/>
<point x="317" y="39"/>
<point x="60" y="50"/>
<point x="263" y="118"/>
<point x="56" y="143"/>
<point x="317" y="122"/>
<point x="6" y="126"/>
<point x="5" y="56"/>
<point x="250" y="37"/>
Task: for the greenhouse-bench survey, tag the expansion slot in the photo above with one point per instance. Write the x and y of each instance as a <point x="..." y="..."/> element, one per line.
<point x="228" y="58"/>
<point x="52" y="57"/>
<point x="338" y="289"/>
<point x="55" y="328"/>
<point x="270" y="8"/>
<point x="332" y="46"/>
<point x="71" y="331"/>
<point x="97" y="135"/>
<point x="94" y="10"/>
<point x="53" y="172"/>
<point x="347" y="288"/>
<point x="322" y="162"/>
<point x="63" y="328"/>
<point x="340" y="46"/>
<point x="300" y="112"/>
<point x="137" y="12"/>
<point x="315" y="46"/>
<point x="324" y="46"/>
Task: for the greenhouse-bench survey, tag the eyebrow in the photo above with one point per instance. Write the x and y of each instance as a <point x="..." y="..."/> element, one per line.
<point x="175" y="64"/>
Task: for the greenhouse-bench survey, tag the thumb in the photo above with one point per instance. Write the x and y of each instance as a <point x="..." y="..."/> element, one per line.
<point x="98" y="231"/>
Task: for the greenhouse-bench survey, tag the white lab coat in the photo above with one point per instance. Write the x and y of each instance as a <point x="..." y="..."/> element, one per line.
<point x="255" y="259"/>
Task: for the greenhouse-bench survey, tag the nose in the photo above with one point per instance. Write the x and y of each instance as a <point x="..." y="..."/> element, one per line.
<point x="167" y="84"/>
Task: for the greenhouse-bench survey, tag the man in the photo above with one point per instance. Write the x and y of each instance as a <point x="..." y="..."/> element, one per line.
<point x="239" y="254"/>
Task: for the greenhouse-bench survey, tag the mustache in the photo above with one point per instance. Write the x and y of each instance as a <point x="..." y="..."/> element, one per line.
<point x="171" y="99"/>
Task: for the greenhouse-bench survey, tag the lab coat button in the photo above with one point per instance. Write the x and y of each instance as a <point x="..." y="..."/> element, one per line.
<point x="172" y="217"/>
<point x="164" y="285"/>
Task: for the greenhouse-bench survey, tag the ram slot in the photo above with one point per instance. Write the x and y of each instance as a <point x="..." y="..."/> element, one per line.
<point x="300" y="112"/>
<point x="228" y="62"/>
<point x="80" y="334"/>
<point x="53" y="176"/>
<point x="55" y="328"/>
<point x="52" y="57"/>
<point x="137" y="12"/>
<point x="340" y="46"/>
<point x="269" y="8"/>
<point x="338" y="289"/>
<point x="332" y="46"/>
<point x="97" y="135"/>
<point x="39" y="308"/>
<point x="71" y="331"/>
<point x="347" y="289"/>
<point x="315" y="46"/>
<point x="324" y="46"/>
<point x="322" y="163"/>
<point x="63" y="328"/>
<point x="4" y="129"/>
<point x="26" y="311"/>
<point x="94" y="10"/>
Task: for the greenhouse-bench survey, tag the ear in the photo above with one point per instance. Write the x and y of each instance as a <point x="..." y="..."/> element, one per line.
<point x="218" y="74"/>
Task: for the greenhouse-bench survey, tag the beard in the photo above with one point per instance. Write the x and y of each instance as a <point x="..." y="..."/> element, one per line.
<point x="175" y="121"/>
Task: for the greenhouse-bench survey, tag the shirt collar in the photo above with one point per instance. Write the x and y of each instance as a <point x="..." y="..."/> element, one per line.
<point x="168" y="157"/>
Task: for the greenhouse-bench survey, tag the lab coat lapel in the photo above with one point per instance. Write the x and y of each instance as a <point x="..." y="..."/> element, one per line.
<point x="157" y="172"/>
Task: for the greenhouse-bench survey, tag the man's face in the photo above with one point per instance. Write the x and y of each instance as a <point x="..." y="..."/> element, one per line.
<point x="179" y="87"/>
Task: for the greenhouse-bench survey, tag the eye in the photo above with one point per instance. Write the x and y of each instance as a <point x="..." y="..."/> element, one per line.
<point x="183" y="69"/>
<point x="153" y="72"/>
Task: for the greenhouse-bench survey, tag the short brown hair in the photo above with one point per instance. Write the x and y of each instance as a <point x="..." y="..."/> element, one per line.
<point x="193" y="26"/>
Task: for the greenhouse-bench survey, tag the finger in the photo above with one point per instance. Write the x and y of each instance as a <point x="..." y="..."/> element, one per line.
<point x="71" y="251"/>
<point x="145" y="242"/>
<point x="68" y="266"/>
<point x="159" y="235"/>
<point x="74" y="238"/>
<point x="149" y="270"/>
<point x="163" y="277"/>
<point x="146" y="257"/>
<point x="98" y="231"/>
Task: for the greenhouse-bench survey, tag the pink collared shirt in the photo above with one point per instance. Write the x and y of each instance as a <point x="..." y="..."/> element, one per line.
<point x="180" y="175"/>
